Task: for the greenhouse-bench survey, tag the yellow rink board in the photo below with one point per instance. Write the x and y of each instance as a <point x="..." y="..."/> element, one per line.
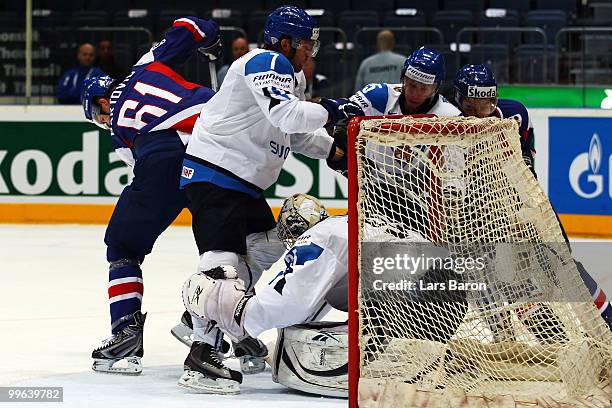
<point x="33" y="213"/>
<point x="575" y="224"/>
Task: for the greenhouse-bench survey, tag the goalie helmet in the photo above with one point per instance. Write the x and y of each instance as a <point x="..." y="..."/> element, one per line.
<point x="293" y="22"/>
<point x="476" y="90"/>
<point x="95" y="87"/>
<point x="424" y="65"/>
<point x="299" y="213"/>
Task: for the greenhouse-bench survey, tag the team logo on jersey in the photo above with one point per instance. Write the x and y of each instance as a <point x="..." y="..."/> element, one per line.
<point x="187" y="172"/>
<point x="272" y="79"/>
<point x="482" y="92"/>
<point x="420" y="76"/>
<point x="590" y="163"/>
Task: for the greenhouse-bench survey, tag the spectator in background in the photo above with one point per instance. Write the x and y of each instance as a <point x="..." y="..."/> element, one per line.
<point x="70" y="84"/>
<point x="384" y="66"/>
<point x="316" y="84"/>
<point x="106" y="61"/>
<point x="240" y="46"/>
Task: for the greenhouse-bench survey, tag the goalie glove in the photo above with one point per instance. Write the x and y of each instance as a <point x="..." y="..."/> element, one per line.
<point x="213" y="51"/>
<point x="340" y="110"/>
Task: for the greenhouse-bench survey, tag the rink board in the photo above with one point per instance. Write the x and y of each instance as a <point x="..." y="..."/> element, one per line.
<point x="56" y="168"/>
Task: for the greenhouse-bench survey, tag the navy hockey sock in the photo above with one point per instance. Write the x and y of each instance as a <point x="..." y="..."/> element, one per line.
<point x="125" y="290"/>
<point x="599" y="296"/>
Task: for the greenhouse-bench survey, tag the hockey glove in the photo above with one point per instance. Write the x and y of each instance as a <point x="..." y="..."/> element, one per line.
<point x="213" y="51"/>
<point x="340" y="141"/>
<point x="340" y="110"/>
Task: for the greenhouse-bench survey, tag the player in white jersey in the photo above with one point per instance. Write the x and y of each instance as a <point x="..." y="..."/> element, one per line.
<point x="313" y="280"/>
<point x="237" y="149"/>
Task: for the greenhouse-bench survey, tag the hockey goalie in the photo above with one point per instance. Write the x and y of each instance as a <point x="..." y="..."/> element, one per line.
<point x="310" y="356"/>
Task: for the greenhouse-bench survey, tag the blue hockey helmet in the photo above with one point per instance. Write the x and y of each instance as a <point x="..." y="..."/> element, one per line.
<point x="424" y="65"/>
<point x="476" y="90"/>
<point x="292" y="22"/>
<point x="95" y="87"/>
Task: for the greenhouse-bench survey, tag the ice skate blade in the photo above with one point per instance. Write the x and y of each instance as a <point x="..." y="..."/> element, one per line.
<point x="250" y="365"/>
<point x="125" y="366"/>
<point x="195" y="382"/>
<point x="183" y="334"/>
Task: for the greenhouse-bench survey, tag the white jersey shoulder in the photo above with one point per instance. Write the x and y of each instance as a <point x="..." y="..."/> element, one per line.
<point x="331" y="233"/>
<point x="244" y="129"/>
<point x="379" y="99"/>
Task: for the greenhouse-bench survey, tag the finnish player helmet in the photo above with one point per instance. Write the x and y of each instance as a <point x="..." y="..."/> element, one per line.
<point x="476" y="90"/>
<point x="293" y="22"/>
<point x="299" y="213"/>
<point x="424" y="65"/>
<point x="94" y="87"/>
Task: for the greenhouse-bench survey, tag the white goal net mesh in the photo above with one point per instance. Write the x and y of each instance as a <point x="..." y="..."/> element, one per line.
<point x="520" y="329"/>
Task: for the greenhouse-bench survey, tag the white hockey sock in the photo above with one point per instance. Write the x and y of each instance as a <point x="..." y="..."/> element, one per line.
<point x="212" y="259"/>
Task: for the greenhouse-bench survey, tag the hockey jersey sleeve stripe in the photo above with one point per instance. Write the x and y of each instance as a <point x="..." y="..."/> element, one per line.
<point x="163" y="69"/>
<point x="186" y="125"/>
<point x="198" y="34"/>
<point x="179" y="117"/>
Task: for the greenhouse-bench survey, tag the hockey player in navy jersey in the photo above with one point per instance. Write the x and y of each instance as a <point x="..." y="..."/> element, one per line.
<point x="239" y="144"/>
<point x="476" y="95"/>
<point x="150" y="115"/>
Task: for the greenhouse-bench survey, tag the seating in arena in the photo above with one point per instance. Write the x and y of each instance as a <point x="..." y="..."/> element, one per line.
<point x="413" y="22"/>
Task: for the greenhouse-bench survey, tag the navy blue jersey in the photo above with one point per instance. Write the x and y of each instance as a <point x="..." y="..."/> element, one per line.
<point x="154" y="97"/>
<point x="510" y="109"/>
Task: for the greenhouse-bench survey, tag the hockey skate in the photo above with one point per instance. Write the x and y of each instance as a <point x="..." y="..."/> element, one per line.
<point x="121" y="353"/>
<point x="183" y="331"/>
<point x="206" y="374"/>
<point x="252" y="355"/>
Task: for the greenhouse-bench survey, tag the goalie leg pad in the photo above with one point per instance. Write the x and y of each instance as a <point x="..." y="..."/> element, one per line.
<point x="218" y="296"/>
<point x="313" y="358"/>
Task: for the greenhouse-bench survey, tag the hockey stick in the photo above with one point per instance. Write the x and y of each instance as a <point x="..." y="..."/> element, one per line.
<point x="213" y="76"/>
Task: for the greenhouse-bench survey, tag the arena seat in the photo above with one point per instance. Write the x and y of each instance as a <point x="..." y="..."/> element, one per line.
<point x="336" y="6"/>
<point x="97" y="18"/>
<point x="273" y="4"/>
<point x="133" y="18"/>
<point x="428" y="7"/>
<point x="351" y="21"/>
<point x="522" y="6"/>
<point x="475" y="6"/>
<point x="451" y="21"/>
<point x="510" y="19"/>
<point x="551" y="21"/>
<point x="569" y="6"/>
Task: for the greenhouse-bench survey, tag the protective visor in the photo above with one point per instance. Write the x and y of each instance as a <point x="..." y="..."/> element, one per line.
<point x="97" y="116"/>
<point x="310" y="46"/>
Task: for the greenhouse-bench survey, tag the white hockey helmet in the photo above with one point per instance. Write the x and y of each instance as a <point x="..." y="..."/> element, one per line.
<point x="299" y="213"/>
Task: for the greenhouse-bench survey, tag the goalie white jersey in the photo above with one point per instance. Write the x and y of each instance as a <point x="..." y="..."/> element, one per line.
<point x="313" y="266"/>
<point x="247" y="130"/>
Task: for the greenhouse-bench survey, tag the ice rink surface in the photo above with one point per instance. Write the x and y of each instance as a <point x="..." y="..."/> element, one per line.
<point x="53" y="312"/>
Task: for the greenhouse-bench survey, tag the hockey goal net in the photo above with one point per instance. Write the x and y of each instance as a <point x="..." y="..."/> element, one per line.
<point x="518" y="328"/>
